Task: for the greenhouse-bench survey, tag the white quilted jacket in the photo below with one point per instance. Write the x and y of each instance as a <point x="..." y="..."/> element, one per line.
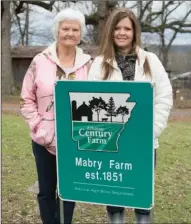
<point x="163" y="89"/>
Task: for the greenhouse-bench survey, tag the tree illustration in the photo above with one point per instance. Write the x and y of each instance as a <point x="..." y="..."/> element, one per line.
<point x="111" y="109"/>
<point x="123" y="111"/>
<point x="97" y="104"/>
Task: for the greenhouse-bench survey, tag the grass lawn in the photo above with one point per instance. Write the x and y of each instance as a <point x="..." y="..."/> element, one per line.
<point x="173" y="177"/>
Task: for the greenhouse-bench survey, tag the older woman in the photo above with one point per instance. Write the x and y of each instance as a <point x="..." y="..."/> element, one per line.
<point x="122" y="59"/>
<point x="62" y="60"/>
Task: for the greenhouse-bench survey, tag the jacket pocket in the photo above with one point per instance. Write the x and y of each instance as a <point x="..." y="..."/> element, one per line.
<point x="45" y="131"/>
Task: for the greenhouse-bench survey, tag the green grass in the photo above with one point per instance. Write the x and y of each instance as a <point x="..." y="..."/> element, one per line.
<point x="173" y="177"/>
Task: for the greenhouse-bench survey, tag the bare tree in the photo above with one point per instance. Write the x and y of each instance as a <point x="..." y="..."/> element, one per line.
<point x="176" y="26"/>
<point x="21" y="23"/>
<point x="161" y="20"/>
<point x="24" y="30"/>
<point x="7" y="77"/>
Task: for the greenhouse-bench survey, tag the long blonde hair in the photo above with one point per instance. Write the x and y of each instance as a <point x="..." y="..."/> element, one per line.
<point x="107" y="48"/>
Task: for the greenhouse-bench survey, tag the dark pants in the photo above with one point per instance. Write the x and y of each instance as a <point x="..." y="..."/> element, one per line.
<point x="49" y="203"/>
<point x="113" y="209"/>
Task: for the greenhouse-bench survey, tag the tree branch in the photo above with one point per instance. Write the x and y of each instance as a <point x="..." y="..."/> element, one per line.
<point x="152" y="29"/>
<point x="186" y="16"/>
<point x="42" y="4"/>
<point x="20" y="8"/>
<point x="181" y="30"/>
<point x="142" y="12"/>
<point x="152" y="14"/>
<point x="173" y="10"/>
<point x="92" y="19"/>
<point x="172" y="39"/>
<point x="70" y="1"/>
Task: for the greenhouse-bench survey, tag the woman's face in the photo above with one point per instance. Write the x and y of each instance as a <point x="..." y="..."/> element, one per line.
<point x="123" y="34"/>
<point x="69" y="33"/>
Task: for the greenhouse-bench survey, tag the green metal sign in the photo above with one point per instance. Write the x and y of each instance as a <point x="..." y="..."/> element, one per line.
<point x="105" y="142"/>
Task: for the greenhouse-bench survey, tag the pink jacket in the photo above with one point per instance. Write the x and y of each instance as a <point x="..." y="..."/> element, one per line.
<point x="37" y="92"/>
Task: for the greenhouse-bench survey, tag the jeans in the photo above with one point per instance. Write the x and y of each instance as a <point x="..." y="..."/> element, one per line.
<point x="113" y="209"/>
<point x="49" y="203"/>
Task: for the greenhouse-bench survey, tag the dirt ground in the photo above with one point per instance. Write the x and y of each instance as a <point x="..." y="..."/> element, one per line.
<point x="176" y="113"/>
<point x="181" y="114"/>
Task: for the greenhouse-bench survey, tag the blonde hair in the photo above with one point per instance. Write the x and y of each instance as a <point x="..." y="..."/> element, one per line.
<point x="107" y="47"/>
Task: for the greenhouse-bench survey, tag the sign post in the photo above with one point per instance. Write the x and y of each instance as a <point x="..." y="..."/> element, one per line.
<point x="105" y="142"/>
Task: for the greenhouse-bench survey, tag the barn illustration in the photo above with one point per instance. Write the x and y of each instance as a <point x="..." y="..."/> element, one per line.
<point x="82" y="113"/>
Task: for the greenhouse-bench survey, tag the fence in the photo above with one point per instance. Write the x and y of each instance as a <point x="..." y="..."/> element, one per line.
<point x="182" y="90"/>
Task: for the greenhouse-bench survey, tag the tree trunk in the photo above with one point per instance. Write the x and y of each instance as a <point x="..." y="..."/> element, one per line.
<point x="104" y="8"/>
<point x="101" y="8"/>
<point x="97" y="116"/>
<point x="139" y="7"/>
<point x="27" y="25"/>
<point x="165" y="57"/>
<point x="7" y="75"/>
<point x="163" y="53"/>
